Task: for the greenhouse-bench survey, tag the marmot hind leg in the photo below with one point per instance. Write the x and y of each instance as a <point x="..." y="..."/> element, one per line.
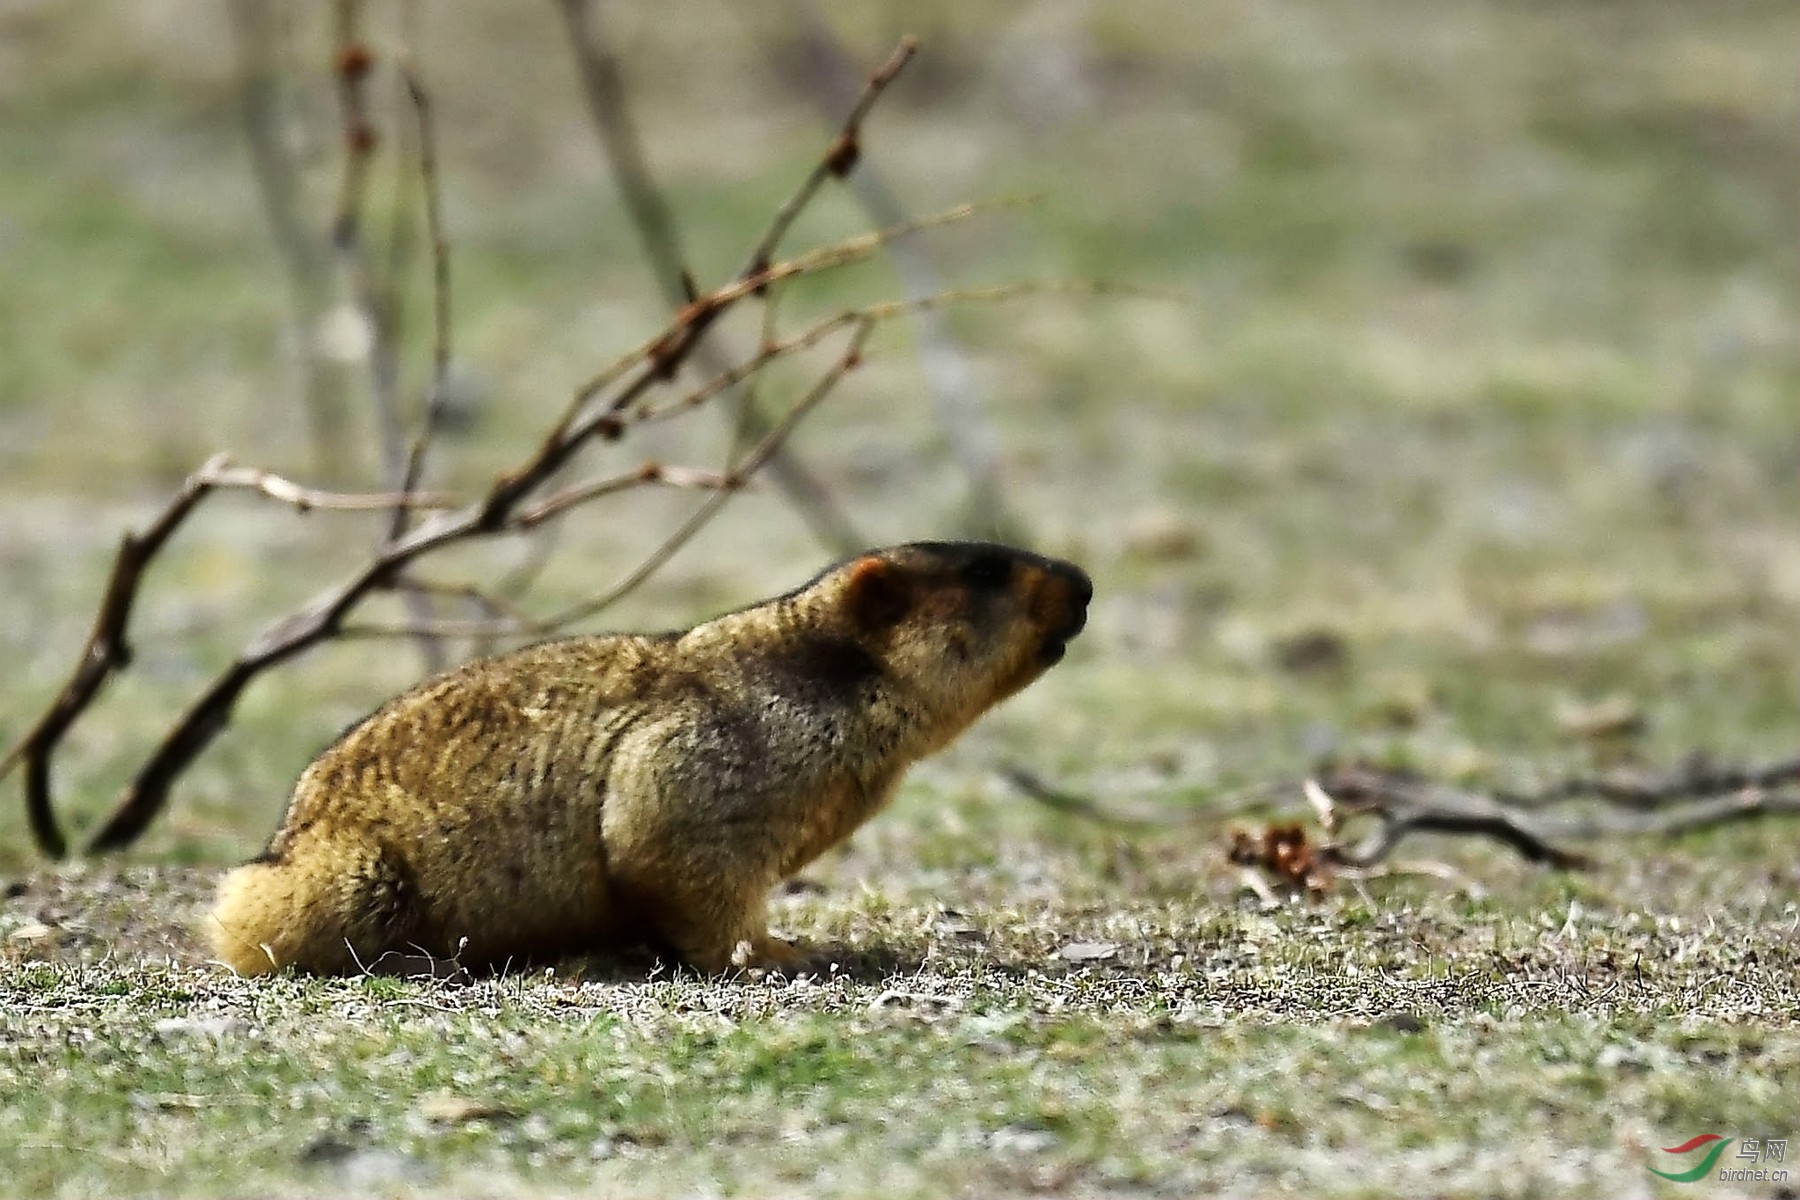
<point x="713" y="930"/>
<point x="320" y="906"/>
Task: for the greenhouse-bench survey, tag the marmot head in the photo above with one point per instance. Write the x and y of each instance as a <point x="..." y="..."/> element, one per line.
<point x="963" y="625"/>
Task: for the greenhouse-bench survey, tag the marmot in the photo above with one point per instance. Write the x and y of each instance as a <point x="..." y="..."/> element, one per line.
<point x="642" y="788"/>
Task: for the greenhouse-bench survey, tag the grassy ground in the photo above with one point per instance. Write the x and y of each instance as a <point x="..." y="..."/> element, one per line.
<point x="1490" y="386"/>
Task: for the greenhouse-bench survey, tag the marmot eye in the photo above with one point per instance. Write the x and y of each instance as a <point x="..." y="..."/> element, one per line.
<point x="987" y="571"/>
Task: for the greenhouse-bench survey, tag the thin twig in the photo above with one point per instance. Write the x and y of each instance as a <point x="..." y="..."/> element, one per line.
<point x="440" y="294"/>
<point x="749" y="415"/>
<point x="108" y="647"/>
<point x="540" y="548"/>
<point x="728" y="485"/>
<point x="1073" y="804"/>
<point x="642" y="367"/>
<point x="278" y="183"/>
<point x="840" y="254"/>
<point x="220" y="474"/>
<point x="651" y="473"/>
<point x="604" y="87"/>
<point x="499" y="609"/>
<point x="961" y="409"/>
<point x="355" y="62"/>
<point x="750" y="465"/>
<point x="837" y="163"/>
<point x="376" y="301"/>
<point x="811" y="336"/>
<point x="390" y="274"/>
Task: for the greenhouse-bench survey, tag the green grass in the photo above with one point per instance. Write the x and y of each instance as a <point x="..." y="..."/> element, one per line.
<point x="1488" y="382"/>
<point x="1417" y="1044"/>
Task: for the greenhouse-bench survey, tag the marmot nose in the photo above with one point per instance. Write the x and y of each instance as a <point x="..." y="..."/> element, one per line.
<point x="1081" y="590"/>
<point x="1080" y="586"/>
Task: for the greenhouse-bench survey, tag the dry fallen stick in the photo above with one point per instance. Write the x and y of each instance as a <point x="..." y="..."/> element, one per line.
<point x="1699" y="776"/>
<point x="1536" y="825"/>
<point x="1401" y="807"/>
<point x="1117" y="816"/>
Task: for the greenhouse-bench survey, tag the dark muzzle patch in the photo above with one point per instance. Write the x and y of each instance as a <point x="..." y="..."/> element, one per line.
<point x="1072" y="590"/>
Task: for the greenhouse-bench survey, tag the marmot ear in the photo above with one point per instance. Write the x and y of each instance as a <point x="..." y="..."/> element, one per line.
<point x="875" y="595"/>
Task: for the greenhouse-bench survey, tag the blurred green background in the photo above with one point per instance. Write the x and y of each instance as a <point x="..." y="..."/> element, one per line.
<point x="1487" y="384"/>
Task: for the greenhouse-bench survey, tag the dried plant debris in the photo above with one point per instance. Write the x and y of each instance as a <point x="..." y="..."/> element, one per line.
<point x="1285" y="853"/>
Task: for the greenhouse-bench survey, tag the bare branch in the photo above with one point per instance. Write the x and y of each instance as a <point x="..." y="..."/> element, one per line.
<point x="325" y="617"/>
<point x="354" y="63"/>
<point x="539" y="549"/>
<point x="961" y="409"/>
<point x="838" y="162"/>
<point x="651" y="473"/>
<point x="749" y="415"/>
<point x="107" y="650"/>
<point x="500" y="617"/>
<point x="604" y="87"/>
<point x="633" y="367"/>
<point x="726" y="486"/>
<point x="219" y="473"/>
<point x="377" y="301"/>
<point x="497" y="608"/>
<point x="811" y="336"/>
<point x="489" y="629"/>
<point x="1698" y="777"/>
<point x="603" y="84"/>
<point x="1400" y="810"/>
<point x="440" y="296"/>
<point x="278" y="183"/>
<point x="753" y="462"/>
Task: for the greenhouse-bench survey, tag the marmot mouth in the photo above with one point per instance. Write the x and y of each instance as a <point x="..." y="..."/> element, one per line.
<point x="1057" y="644"/>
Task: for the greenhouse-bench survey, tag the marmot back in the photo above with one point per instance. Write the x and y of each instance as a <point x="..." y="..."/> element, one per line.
<point x="622" y="788"/>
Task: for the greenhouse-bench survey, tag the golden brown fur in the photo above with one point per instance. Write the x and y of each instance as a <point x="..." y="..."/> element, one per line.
<point x="642" y="787"/>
